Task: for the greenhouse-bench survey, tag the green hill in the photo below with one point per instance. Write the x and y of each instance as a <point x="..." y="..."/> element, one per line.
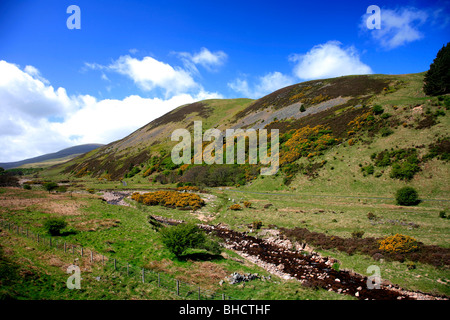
<point x="333" y="133"/>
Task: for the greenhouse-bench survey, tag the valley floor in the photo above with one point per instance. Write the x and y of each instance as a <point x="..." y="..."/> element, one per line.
<point x="122" y="232"/>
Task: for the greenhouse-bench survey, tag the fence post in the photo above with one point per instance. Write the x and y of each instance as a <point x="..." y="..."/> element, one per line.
<point x="114" y="264"/>
<point x="159" y="280"/>
<point x="199" y="297"/>
<point x="143" y="275"/>
<point x="81" y="251"/>
<point x="65" y="247"/>
<point x="92" y="256"/>
<point x="223" y="296"/>
<point x="178" y="287"/>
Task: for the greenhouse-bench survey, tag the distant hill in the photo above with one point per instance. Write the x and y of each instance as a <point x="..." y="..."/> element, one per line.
<point x="52" y="158"/>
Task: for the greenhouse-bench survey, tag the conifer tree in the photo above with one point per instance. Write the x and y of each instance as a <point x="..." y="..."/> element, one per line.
<point x="437" y="79"/>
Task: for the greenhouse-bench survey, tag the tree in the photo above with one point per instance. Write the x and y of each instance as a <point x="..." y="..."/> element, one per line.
<point x="437" y="79"/>
<point x="407" y="196"/>
<point x="54" y="226"/>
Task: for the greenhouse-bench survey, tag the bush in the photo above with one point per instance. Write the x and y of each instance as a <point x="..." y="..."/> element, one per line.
<point x="235" y="207"/>
<point x="27" y="187"/>
<point x="377" y="109"/>
<point x="179" y="238"/>
<point x="407" y="196"/>
<point x="171" y="199"/>
<point x="399" y="243"/>
<point x="54" y="226"/>
<point x="368" y="170"/>
<point x="386" y="131"/>
<point x="404" y="171"/>
<point x="49" y="186"/>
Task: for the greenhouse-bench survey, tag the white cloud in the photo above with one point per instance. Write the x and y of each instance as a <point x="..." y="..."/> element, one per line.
<point x="29" y="105"/>
<point x="265" y="85"/>
<point x="25" y="94"/>
<point x="208" y="59"/>
<point x="398" y="27"/>
<point x="328" y="60"/>
<point x="211" y="61"/>
<point x="150" y="73"/>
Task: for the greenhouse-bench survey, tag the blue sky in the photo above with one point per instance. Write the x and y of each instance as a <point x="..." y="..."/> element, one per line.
<point x="132" y="61"/>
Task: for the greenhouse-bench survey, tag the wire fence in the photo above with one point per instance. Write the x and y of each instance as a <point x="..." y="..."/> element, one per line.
<point x="182" y="289"/>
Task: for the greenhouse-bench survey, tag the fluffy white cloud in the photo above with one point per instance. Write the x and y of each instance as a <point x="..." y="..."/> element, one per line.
<point x="265" y="85"/>
<point x="29" y="108"/>
<point x="150" y="73"/>
<point x="328" y="60"/>
<point x="398" y="27"/>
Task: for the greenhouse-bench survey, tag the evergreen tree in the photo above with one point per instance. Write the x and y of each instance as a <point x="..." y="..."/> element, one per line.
<point x="437" y="79"/>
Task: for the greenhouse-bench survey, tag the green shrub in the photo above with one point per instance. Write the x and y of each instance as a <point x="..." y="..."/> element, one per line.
<point x="407" y="196"/>
<point x="368" y="170"/>
<point x="179" y="238"/>
<point x="386" y="131"/>
<point x="377" y="109"/>
<point x="50" y="186"/>
<point x="404" y="171"/>
<point x="27" y="187"/>
<point x="54" y="226"/>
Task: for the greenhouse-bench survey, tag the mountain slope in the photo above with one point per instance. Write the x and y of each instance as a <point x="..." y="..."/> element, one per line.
<point x="314" y="118"/>
<point x="66" y="154"/>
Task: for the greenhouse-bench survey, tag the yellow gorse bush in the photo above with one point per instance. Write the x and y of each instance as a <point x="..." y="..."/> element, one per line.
<point x="398" y="243"/>
<point x="169" y="199"/>
<point x="306" y="141"/>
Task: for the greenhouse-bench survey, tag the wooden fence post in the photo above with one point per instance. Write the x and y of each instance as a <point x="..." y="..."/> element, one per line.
<point x="178" y="287"/>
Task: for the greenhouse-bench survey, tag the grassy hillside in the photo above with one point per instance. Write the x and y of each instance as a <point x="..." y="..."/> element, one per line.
<point x="329" y="131"/>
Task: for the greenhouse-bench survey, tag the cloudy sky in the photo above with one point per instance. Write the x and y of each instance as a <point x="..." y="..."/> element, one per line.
<point x="133" y="61"/>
